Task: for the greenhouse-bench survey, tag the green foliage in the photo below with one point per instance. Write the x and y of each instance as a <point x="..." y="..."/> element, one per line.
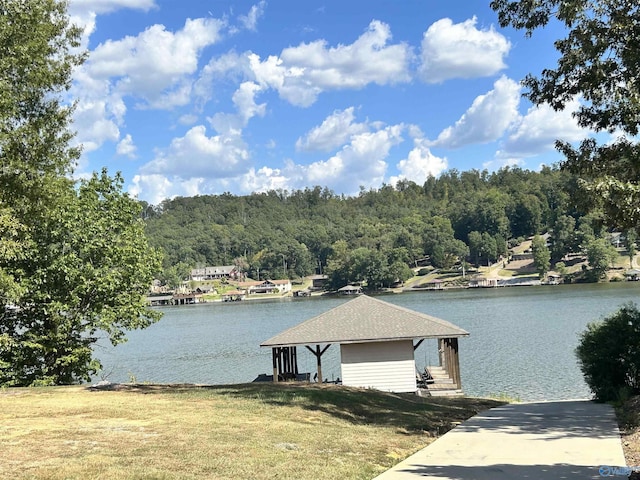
<point x="372" y="267"/>
<point x="405" y="224"/>
<point x="630" y="239"/>
<point x="440" y="243"/>
<point x="541" y="255"/>
<point x="84" y="278"/>
<point x="11" y="237"/>
<point x="599" y="62"/>
<point x="609" y="354"/>
<point x="74" y="260"/>
<point x="483" y="247"/>
<point x="600" y="254"/>
<point x="174" y="275"/>
<point x="563" y="237"/>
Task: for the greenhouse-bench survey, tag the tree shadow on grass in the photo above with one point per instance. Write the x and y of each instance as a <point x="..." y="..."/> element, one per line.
<point x="408" y="413"/>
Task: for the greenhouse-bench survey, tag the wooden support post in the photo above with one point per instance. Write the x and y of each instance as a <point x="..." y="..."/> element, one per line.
<point x="285" y="363"/>
<point x="441" y="352"/>
<point x="319" y="363"/>
<point x="456" y="363"/>
<point x="274" y="356"/>
<point x="452" y="360"/>
<point x="447" y="356"/>
<point x="285" y="360"/>
<point x="294" y="360"/>
<point x="318" y="353"/>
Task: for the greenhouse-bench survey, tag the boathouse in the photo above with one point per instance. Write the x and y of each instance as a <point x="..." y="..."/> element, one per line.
<point x="377" y="341"/>
<point x="350" y="290"/>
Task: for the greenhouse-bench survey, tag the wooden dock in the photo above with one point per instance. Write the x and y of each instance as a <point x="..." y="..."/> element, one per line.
<point x="440" y="384"/>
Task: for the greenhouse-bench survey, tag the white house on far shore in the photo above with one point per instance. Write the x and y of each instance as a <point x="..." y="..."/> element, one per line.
<point x="214" y="273"/>
<point x="266" y="286"/>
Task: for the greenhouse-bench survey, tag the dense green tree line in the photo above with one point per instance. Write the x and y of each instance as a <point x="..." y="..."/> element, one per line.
<point x="472" y="215"/>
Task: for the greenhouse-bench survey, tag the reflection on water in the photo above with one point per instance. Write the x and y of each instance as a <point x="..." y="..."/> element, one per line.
<point x="521" y="343"/>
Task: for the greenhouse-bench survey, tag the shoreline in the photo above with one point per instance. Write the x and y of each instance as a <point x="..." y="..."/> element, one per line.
<point x="395" y="291"/>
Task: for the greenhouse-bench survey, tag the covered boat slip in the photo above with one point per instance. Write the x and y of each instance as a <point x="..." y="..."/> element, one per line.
<point x="376" y="342"/>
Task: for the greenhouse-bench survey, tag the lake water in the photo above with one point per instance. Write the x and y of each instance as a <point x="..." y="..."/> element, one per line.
<point x="521" y="344"/>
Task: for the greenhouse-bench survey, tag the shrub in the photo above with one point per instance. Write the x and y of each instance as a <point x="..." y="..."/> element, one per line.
<point x="424" y="271"/>
<point x="609" y="354"/>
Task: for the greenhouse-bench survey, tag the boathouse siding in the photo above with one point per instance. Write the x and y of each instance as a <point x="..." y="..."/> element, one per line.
<point x="386" y="366"/>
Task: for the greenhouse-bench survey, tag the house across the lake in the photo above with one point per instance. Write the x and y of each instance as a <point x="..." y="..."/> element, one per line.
<point x="265" y="286"/>
<point x="234" y="296"/>
<point x="215" y="273"/>
<point x="318" y="282"/>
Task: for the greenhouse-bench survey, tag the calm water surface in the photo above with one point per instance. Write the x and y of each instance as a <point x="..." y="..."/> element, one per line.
<point x="521" y="343"/>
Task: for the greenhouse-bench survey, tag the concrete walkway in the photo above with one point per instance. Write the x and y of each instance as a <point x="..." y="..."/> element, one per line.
<point x="538" y="441"/>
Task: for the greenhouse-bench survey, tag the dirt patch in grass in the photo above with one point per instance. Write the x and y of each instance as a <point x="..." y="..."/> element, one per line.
<point x="223" y="432"/>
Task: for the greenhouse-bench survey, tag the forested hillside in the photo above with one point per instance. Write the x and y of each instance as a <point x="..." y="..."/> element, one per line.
<point x="376" y="235"/>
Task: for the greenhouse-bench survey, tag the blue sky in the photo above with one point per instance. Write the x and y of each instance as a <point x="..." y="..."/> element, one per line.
<point x="196" y="97"/>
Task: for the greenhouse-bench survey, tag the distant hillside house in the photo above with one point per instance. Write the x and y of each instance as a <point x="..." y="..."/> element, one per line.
<point x="215" y="273"/>
<point x="157" y="287"/>
<point x="318" y="282"/>
<point x="205" y="289"/>
<point x="265" y="286"/>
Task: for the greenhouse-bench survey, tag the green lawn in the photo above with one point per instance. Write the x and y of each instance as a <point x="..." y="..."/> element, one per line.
<point x="255" y="431"/>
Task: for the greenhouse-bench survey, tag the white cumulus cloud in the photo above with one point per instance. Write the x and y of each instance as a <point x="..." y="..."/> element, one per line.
<point x="83" y="13"/>
<point x="250" y="20"/>
<point x="263" y="180"/>
<point x="154" y="68"/>
<point x="333" y="132"/>
<point x="97" y="125"/>
<point x="460" y="50"/>
<point x="537" y="131"/>
<point x="154" y="188"/>
<point x="106" y="6"/>
<point x="229" y="64"/>
<point x="198" y="155"/>
<point x="360" y="163"/>
<point x="126" y="147"/>
<point x="246" y="106"/>
<point x="196" y="164"/>
<point x="301" y="73"/>
<point x="419" y="164"/>
<point x="486" y="119"/>
<point x="156" y="65"/>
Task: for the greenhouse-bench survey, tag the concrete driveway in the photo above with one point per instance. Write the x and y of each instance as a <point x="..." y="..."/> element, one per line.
<point x="538" y="441"/>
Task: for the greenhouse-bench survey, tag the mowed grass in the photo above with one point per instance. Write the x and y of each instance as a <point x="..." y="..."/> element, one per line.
<point x="252" y="431"/>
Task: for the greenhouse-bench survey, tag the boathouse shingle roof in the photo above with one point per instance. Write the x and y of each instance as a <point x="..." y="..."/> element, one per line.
<point x="362" y="320"/>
